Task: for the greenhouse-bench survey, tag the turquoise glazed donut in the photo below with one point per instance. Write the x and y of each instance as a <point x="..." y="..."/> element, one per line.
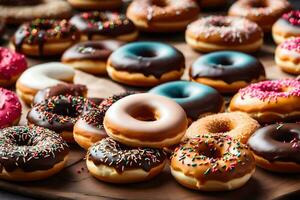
<point x="195" y="98"/>
<point x="151" y="60"/>
<point x="233" y="69"/>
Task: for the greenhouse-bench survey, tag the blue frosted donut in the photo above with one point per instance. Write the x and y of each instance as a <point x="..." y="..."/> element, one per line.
<point x="228" y="67"/>
<point x="195" y="98"/>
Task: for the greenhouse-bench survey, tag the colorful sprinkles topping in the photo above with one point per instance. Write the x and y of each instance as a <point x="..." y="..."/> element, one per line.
<point x="106" y="103"/>
<point x="291" y="44"/>
<point x="293" y="17"/>
<point x="94" y="117"/>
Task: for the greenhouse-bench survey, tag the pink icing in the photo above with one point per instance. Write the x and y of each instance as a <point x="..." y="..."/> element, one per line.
<point x="11" y="63"/>
<point x="293" y="17"/>
<point x="273" y="89"/>
<point x="10" y="107"/>
<point x="291" y="44"/>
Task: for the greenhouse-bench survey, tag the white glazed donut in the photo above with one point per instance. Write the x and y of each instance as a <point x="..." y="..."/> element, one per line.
<point x="42" y="76"/>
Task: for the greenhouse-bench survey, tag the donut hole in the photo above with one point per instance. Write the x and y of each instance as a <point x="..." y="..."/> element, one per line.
<point x="259" y="4"/>
<point x="223" y="62"/>
<point x="144" y="113"/>
<point x="146" y="53"/>
<point x="65" y="109"/>
<point x="210" y="151"/>
<point x="219" y="127"/>
<point x="178" y="94"/>
<point x="220" y="23"/>
<point x="286" y="137"/>
<point x="159" y="3"/>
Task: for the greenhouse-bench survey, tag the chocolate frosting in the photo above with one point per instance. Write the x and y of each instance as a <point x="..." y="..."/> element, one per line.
<point x="277" y="142"/>
<point x="228" y="66"/>
<point x="103" y="23"/>
<point x="30" y="148"/>
<point x="114" y="154"/>
<point x="19" y="2"/>
<point x="59" y="113"/>
<point x="60" y="89"/>
<point x="148" y="58"/>
<point x="91" y="50"/>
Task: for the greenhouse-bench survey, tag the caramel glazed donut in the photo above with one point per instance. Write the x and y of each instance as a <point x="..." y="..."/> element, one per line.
<point x="161" y="15"/>
<point x="19" y="11"/>
<point x="111" y="161"/>
<point x="237" y="125"/>
<point x="269" y="101"/>
<point x="215" y="33"/>
<point x="145" y="64"/>
<point x="277" y="147"/>
<point x="29" y="153"/>
<point x="151" y="121"/>
<point x="105" y="25"/>
<point x="42" y="76"/>
<point x="59" y="113"/>
<point x="212" y="162"/>
<point x="43" y="37"/>
<point x="264" y="12"/>
<point x="96" y="4"/>
<point x="91" y="56"/>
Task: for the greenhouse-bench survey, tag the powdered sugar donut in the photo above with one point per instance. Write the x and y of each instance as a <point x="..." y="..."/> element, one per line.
<point x="10" y="108"/>
<point x="269" y="101"/>
<point x="11" y="66"/>
<point x="42" y="76"/>
<point x="215" y="33"/>
<point x="287" y="56"/>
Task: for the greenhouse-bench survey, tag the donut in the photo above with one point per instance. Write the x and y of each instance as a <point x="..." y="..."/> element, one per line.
<point x="196" y="99"/>
<point x="29" y="153"/>
<point x="151" y="121"/>
<point x="96" y="4"/>
<point x="145" y="64"/>
<point x="212" y="162"/>
<point x="90" y="56"/>
<point x="227" y="71"/>
<point x="10" y="108"/>
<point x="60" y="89"/>
<point x="89" y="127"/>
<point x="287" y="56"/>
<point x="113" y="162"/>
<point x="286" y="27"/>
<point x="263" y="12"/>
<point x="208" y="4"/>
<point x="12" y="65"/>
<point x="237" y="125"/>
<point x="105" y="25"/>
<point x="40" y="77"/>
<point x="269" y="101"/>
<point x="19" y="11"/>
<point x="59" y="113"/>
<point x="277" y="147"/>
<point x="216" y="33"/>
<point x="161" y="15"/>
<point x="45" y="37"/>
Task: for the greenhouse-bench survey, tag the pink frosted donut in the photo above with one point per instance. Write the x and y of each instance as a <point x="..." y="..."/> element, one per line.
<point x="269" y="101"/>
<point x="12" y="65"/>
<point x="10" y="108"/>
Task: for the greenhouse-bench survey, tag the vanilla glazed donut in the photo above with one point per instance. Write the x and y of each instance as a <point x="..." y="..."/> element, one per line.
<point x="105" y="25"/>
<point x="90" y="56"/>
<point x="215" y="33"/>
<point x="277" y="147"/>
<point x="19" y="11"/>
<point x="161" y="15"/>
<point x="212" y="162"/>
<point x="151" y="121"/>
<point x="45" y="37"/>
<point x="238" y="125"/>
<point x="287" y="26"/>
<point x="96" y="4"/>
<point x="145" y="64"/>
<point x="269" y="101"/>
<point x="287" y="56"/>
<point x="42" y="76"/>
<point x="29" y="153"/>
<point x="89" y="127"/>
<point x="263" y="12"/>
<point x="59" y="113"/>
<point x="111" y="161"/>
<point x="196" y="99"/>
<point x="227" y="71"/>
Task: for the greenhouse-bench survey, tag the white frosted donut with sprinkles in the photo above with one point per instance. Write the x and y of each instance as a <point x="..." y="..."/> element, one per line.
<point x="287" y="56"/>
<point x="215" y="33"/>
<point x="269" y="101"/>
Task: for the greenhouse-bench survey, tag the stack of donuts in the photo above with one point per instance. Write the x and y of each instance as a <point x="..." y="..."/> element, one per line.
<point x="210" y="127"/>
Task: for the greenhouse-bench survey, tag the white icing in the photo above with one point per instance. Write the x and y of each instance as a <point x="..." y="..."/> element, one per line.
<point x="287" y="28"/>
<point x="46" y="75"/>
